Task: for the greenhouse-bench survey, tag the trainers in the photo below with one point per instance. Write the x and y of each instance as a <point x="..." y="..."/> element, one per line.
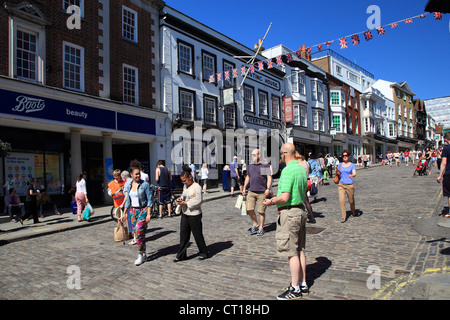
<point x="290" y="294"/>
<point x="304" y="289"/>
<point x="254" y="230"/>
<point x="141" y="259"/>
<point x="260" y="232"/>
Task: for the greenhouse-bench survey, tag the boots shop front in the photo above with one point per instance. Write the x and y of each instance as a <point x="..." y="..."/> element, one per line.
<point x="55" y="136"/>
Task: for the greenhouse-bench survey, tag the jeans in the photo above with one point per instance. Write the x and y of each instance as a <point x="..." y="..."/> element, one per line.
<point x="22" y="209"/>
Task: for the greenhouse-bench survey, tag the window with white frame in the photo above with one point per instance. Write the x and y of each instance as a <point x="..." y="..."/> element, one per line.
<point x="187" y="105"/>
<point x="276" y="107"/>
<point x="339" y="70"/>
<point x="317" y="91"/>
<point x="229" y="115"/>
<point x="227" y="66"/>
<point x="27" y="55"/>
<point x="352" y="77"/>
<point x="249" y="99"/>
<point x="78" y="3"/>
<point x="210" y="109"/>
<point x="209" y="65"/>
<point x="294" y="79"/>
<point x="73" y="66"/>
<point x="185" y="58"/>
<point x="263" y="103"/>
<point x="405" y="129"/>
<point x="410" y="130"/>
<point x="318" y="122"/>
<point x="399" y="127"/>
<point x="300" y="115"/>
<point x="391" y="129"/>
<point x="129" y="24"/>
<point x="337" y="123"/>
<point x="302" y="84"/>
<point x="296" y="114"/>
<point x="335" y="98"/>
<point x="130" y="85"/>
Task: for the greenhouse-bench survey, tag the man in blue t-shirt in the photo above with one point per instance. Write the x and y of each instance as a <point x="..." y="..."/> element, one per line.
<point x="445" y="172"/>
<point x="234" y="175"/>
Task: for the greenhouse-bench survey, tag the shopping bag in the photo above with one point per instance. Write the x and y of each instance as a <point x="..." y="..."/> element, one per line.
<point x="74" y="207"/>
<point x="239" y="200"/>
<point x="86" y="214"/>
<point x="244" y="207"/>
<point x="91" y="210"/>
<point x="120" y="232"/>
<point x="325" y="175"/>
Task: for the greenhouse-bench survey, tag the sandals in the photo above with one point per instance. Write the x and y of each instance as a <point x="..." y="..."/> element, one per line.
<point x="132" y="242"/>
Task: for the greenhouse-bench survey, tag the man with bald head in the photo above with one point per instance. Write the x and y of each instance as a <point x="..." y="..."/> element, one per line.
<point x="291" y="224"/>
<point x="260" y="179"/>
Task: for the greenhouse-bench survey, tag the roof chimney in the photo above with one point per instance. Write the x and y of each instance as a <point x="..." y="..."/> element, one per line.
<point x="258" y="45"/>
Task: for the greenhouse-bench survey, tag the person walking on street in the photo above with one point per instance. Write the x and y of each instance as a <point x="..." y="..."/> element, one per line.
<point x="260" y="179"/>
<point x="234" y="175"/>
<point x="291" y="223"/>
<point x="139" y="202"/>
<point x="191" y="219"/>
<point x="204" y="177"/>
<point x="31" y="202"/>
<point x="347" y="173"/>
<point x="163" y="177"/>
<point x="444" y="173"/>
<point x="81" y="195"/>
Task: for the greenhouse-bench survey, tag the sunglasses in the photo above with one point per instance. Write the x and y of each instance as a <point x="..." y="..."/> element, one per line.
<point x="345" y="155"/>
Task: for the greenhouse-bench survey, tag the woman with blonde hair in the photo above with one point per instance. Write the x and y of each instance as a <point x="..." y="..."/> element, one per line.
<point x="303" y="163"/>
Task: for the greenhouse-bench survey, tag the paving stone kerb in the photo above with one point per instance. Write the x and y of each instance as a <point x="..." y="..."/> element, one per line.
<point x="241" y="266"/>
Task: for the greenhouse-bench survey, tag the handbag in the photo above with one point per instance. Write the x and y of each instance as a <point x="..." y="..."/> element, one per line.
<point x="314" y="190"/>
<point x="239" y="201"/>
<point x="120" y="232"/>
<point x="337" y="176"/>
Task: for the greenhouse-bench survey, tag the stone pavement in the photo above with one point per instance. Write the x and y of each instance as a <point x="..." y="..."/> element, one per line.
<point x="396" y="236"/>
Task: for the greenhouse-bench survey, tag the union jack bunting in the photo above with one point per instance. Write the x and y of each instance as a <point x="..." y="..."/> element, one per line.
<point x="343" y="43"/>
<point x="308" y="50"/>
<point x="299" y="54"/>
<point x="227" y="75"/>
<point x="269" y="63"/>
<point x="319" y="47"/>
<point x="219" y="76"/>
<point x="234" y="73"/>
<point x="289" y="57"/>
<point x="381" y="31"/>
<point x="260" y="65"/>
<point x="423" y="15"/>
<point x="243" y="70"/>
<point x="279" y="61"/>
<point x="211" y="79"/>
<point x="252" y="68"/>
<point x="355" y="39"/>
<point x="437" y="15"/>
<point x="368" y="35"/>
<point x="328" y="43"/>
<point x="393" y="25"/>
<point x="408" y="20"/>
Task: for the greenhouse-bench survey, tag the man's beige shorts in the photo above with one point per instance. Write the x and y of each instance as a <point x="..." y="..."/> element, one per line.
<point x="256" y="199"/>
<point x="291" y="232"/>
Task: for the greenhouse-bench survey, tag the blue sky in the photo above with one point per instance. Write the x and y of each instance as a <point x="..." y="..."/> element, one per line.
<point x="418" y="53"/>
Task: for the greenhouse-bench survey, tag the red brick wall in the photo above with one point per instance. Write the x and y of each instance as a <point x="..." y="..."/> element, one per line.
<point x="138" y="55"/>
<point x="56" y="33"/>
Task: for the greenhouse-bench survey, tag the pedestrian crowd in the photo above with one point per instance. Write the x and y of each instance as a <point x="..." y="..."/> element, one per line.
<point x="298" y="187"/>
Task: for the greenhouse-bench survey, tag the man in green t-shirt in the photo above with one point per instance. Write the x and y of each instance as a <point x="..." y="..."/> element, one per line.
<point x="291" y="225"/>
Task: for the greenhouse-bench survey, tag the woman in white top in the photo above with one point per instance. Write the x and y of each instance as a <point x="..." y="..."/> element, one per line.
<point x="204" y="177"/>
<point x="191" y="219"/>
<point x="81" y="194"/>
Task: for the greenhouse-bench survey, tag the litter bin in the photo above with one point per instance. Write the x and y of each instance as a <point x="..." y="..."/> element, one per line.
<point x="226" y="180"/>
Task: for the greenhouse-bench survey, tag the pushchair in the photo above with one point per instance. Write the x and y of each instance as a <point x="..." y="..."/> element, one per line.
<point x="421" y="169"/>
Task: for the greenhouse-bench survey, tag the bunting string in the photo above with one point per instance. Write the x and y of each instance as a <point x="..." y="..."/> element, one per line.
<point x="343" y="43"/>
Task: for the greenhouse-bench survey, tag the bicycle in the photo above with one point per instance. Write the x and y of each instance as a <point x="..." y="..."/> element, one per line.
<point x="155" y="208"/>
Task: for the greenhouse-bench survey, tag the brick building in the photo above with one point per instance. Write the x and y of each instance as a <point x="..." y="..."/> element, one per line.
<point x="80" y="91"/>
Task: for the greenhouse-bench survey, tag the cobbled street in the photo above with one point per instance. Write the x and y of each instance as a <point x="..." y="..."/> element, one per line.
<point x="244" y="267"/>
